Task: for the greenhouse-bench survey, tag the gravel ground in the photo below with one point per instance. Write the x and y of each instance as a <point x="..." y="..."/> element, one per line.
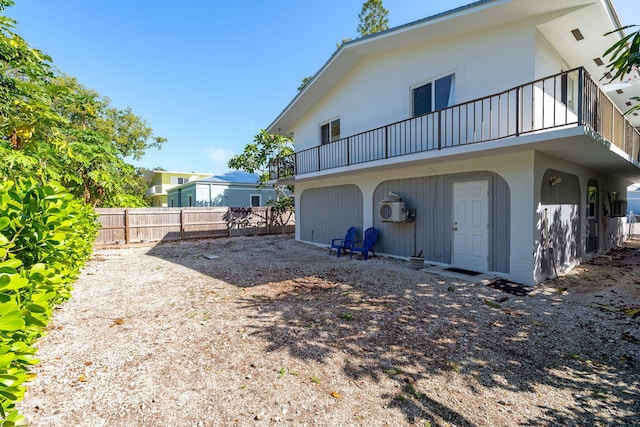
<point x="261" y="331"/>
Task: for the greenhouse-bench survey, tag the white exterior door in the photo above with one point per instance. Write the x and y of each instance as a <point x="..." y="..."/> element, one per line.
<point x="471" y="225"/>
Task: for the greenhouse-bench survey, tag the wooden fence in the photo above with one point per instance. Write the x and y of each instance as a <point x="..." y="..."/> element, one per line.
<point x="122" y="226"/>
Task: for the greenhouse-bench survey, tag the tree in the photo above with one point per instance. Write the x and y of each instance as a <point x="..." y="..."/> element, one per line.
<point x="373" y="18"/>
<point x="305" y="82"/>
<point x="54" y="128"/>
<point x="25" y="98"/>
<point x="625" y="57"/>
<point x="99" y="137"/>
<point x="256" y="157"/>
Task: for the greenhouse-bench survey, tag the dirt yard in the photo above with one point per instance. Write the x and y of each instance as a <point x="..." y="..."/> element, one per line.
<point x="268" y="331"/>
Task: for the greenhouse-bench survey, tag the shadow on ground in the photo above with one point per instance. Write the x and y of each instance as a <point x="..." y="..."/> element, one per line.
<point x="395" y="324"/>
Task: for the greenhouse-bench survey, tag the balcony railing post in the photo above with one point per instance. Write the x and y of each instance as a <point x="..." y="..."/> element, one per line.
<point x="518" y="111"/>
<point x="439" y="131"/>
<point x="386" y="142"/>
<point x="581" y="94"/>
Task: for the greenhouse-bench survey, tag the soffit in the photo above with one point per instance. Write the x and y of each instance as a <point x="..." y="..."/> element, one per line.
<point x="593" y="21"/>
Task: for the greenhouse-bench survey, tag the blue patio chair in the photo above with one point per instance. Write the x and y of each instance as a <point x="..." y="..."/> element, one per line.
<point x="367" y="245"/>
<point x="344" y="244"/>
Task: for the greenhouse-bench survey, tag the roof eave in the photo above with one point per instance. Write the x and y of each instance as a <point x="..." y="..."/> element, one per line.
<point x="348" y="56"/>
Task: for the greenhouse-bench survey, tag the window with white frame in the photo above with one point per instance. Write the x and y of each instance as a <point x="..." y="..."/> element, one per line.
<point x="176" y="180"/>
<point x="256" y="200"/>
<point x="433" y="96"/>
<point x="330" y="131"/>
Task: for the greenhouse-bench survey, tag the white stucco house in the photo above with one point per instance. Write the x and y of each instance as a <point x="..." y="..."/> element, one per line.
<point x="490" y="124"/>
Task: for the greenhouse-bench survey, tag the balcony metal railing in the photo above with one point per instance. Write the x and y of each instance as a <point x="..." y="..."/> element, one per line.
<point x="571" y="98"/>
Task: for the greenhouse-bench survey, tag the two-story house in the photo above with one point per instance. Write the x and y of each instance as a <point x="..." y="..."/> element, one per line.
<point x="162" y="181"/>
<point x="491" y="122"/>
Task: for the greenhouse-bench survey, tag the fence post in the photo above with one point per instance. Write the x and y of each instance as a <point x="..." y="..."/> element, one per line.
<point x="127" y="230"/>
<point x="182" y="224"/>
<point x="266" y="219"/>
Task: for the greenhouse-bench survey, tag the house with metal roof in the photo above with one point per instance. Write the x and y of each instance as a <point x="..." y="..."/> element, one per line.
<point x="489" y="137"/>
<point x="233" y="189"/>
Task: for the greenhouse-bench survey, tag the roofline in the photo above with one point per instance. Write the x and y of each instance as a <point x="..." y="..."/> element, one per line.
<point x="613" y="12"/>
<point x="184" y="173"/>
<point x="239" y="184"/>
<point x="347" y="45"/>
<point x="423" y="20"/>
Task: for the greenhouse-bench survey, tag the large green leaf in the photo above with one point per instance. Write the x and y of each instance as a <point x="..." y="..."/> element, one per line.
<point x="11" y="263"/>
<point x="6" y="359"/>
<point x="11" y="321"/>
<point x="12" y="282"/>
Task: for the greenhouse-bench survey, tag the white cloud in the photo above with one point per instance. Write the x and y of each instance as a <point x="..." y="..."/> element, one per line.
<point x="220" y="157"/>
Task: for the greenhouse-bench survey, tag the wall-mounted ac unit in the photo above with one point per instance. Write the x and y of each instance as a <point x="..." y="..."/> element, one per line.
<point x="618" y="208"/>
<point x="392" y="211"/>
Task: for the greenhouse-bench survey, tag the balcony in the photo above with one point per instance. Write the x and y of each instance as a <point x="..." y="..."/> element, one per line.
<point x="568" y="99"/>
<point x="158" y="190"/>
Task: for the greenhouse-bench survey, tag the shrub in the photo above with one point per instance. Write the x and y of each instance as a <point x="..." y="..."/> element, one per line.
<point x="45" y="237"/>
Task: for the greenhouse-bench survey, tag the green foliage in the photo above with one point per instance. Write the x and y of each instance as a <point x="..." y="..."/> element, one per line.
<point x="256" y="157"/>
<point x="373" y="18"/>
<point x="53" y="127"/>
<point x="45" y="238"/>
<point x="625" y="57"/>
<point x="52" y="130"/>
<point x="98" y="137"/>
<point x="24" y="98"/>
<point x="305" y="82"/>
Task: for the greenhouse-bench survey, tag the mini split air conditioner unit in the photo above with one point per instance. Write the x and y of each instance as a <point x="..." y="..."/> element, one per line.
<point x="392" y="209"/>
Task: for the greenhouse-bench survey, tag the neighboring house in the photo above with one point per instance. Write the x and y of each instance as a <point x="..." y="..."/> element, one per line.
<point x="233" y="189"/>
<point x="163" y="181"/>
<point x="633" y="200"/>
<point x="491" y="122"/>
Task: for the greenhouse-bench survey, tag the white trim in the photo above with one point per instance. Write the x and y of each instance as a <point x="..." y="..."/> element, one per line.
<point x="432" y="81"/>
<point x="259" y="196"/>
<point x="328" y="122"/>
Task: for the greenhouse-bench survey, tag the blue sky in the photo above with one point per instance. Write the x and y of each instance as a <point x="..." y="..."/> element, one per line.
<point x="206" y="75"/>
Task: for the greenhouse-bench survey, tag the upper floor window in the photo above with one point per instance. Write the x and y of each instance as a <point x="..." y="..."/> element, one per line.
<point x="178" y="180"/>
<point x="330" y="131"/>
<point x="433" y="96"/>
